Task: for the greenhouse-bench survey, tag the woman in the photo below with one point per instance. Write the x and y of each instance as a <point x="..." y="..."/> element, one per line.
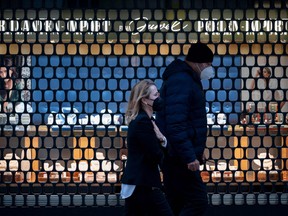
<point x="141" y="181"/>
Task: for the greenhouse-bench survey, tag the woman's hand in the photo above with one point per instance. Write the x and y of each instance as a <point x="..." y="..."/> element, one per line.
<point x="159" y="135"/>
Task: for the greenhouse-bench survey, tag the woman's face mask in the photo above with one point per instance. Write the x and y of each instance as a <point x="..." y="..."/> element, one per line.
<point x="207" y="73"/>
<point x="157" y="105"/>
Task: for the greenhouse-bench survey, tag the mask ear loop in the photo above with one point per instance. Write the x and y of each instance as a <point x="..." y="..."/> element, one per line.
<point x="147" y="104"/>
<point x="142" y="101"/>
<point x="199" y="70"/>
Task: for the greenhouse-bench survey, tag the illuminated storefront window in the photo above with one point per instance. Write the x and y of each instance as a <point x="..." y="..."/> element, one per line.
<point x="66" y="76"/>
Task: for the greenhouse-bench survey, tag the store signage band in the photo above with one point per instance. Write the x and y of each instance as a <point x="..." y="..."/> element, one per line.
<point x="143" y="25"/>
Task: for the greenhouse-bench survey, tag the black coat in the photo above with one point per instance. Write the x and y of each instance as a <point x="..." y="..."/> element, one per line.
<point x="183" y="120"/>
<point x="144" y="153"/>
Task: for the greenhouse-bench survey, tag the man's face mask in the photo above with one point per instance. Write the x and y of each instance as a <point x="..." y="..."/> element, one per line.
<point x="207" y="73"/>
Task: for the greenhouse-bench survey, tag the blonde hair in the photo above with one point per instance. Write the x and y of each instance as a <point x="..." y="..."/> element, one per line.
<point x="139" y="91"/>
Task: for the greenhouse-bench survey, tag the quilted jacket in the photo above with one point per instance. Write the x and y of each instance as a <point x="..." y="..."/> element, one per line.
<point x="183" y="120"/>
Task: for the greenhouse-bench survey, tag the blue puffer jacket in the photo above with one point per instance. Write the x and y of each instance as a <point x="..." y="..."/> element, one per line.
<point x="183" y="120"/>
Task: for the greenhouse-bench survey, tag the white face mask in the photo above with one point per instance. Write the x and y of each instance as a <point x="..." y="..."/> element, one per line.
<point x="207" y="73"/>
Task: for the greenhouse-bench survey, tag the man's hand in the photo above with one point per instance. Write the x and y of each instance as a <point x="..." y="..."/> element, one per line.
<point x="193" y="166"/>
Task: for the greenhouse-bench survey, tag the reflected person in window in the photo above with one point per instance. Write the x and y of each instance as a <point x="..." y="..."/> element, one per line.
<point x="183" y="121"/>
<point x="8" y="84"/>
<point x="141" y="182"/>
<point x="265" y="92"/>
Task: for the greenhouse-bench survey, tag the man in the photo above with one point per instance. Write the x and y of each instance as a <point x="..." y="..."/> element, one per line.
<point x="183" y="122"/>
